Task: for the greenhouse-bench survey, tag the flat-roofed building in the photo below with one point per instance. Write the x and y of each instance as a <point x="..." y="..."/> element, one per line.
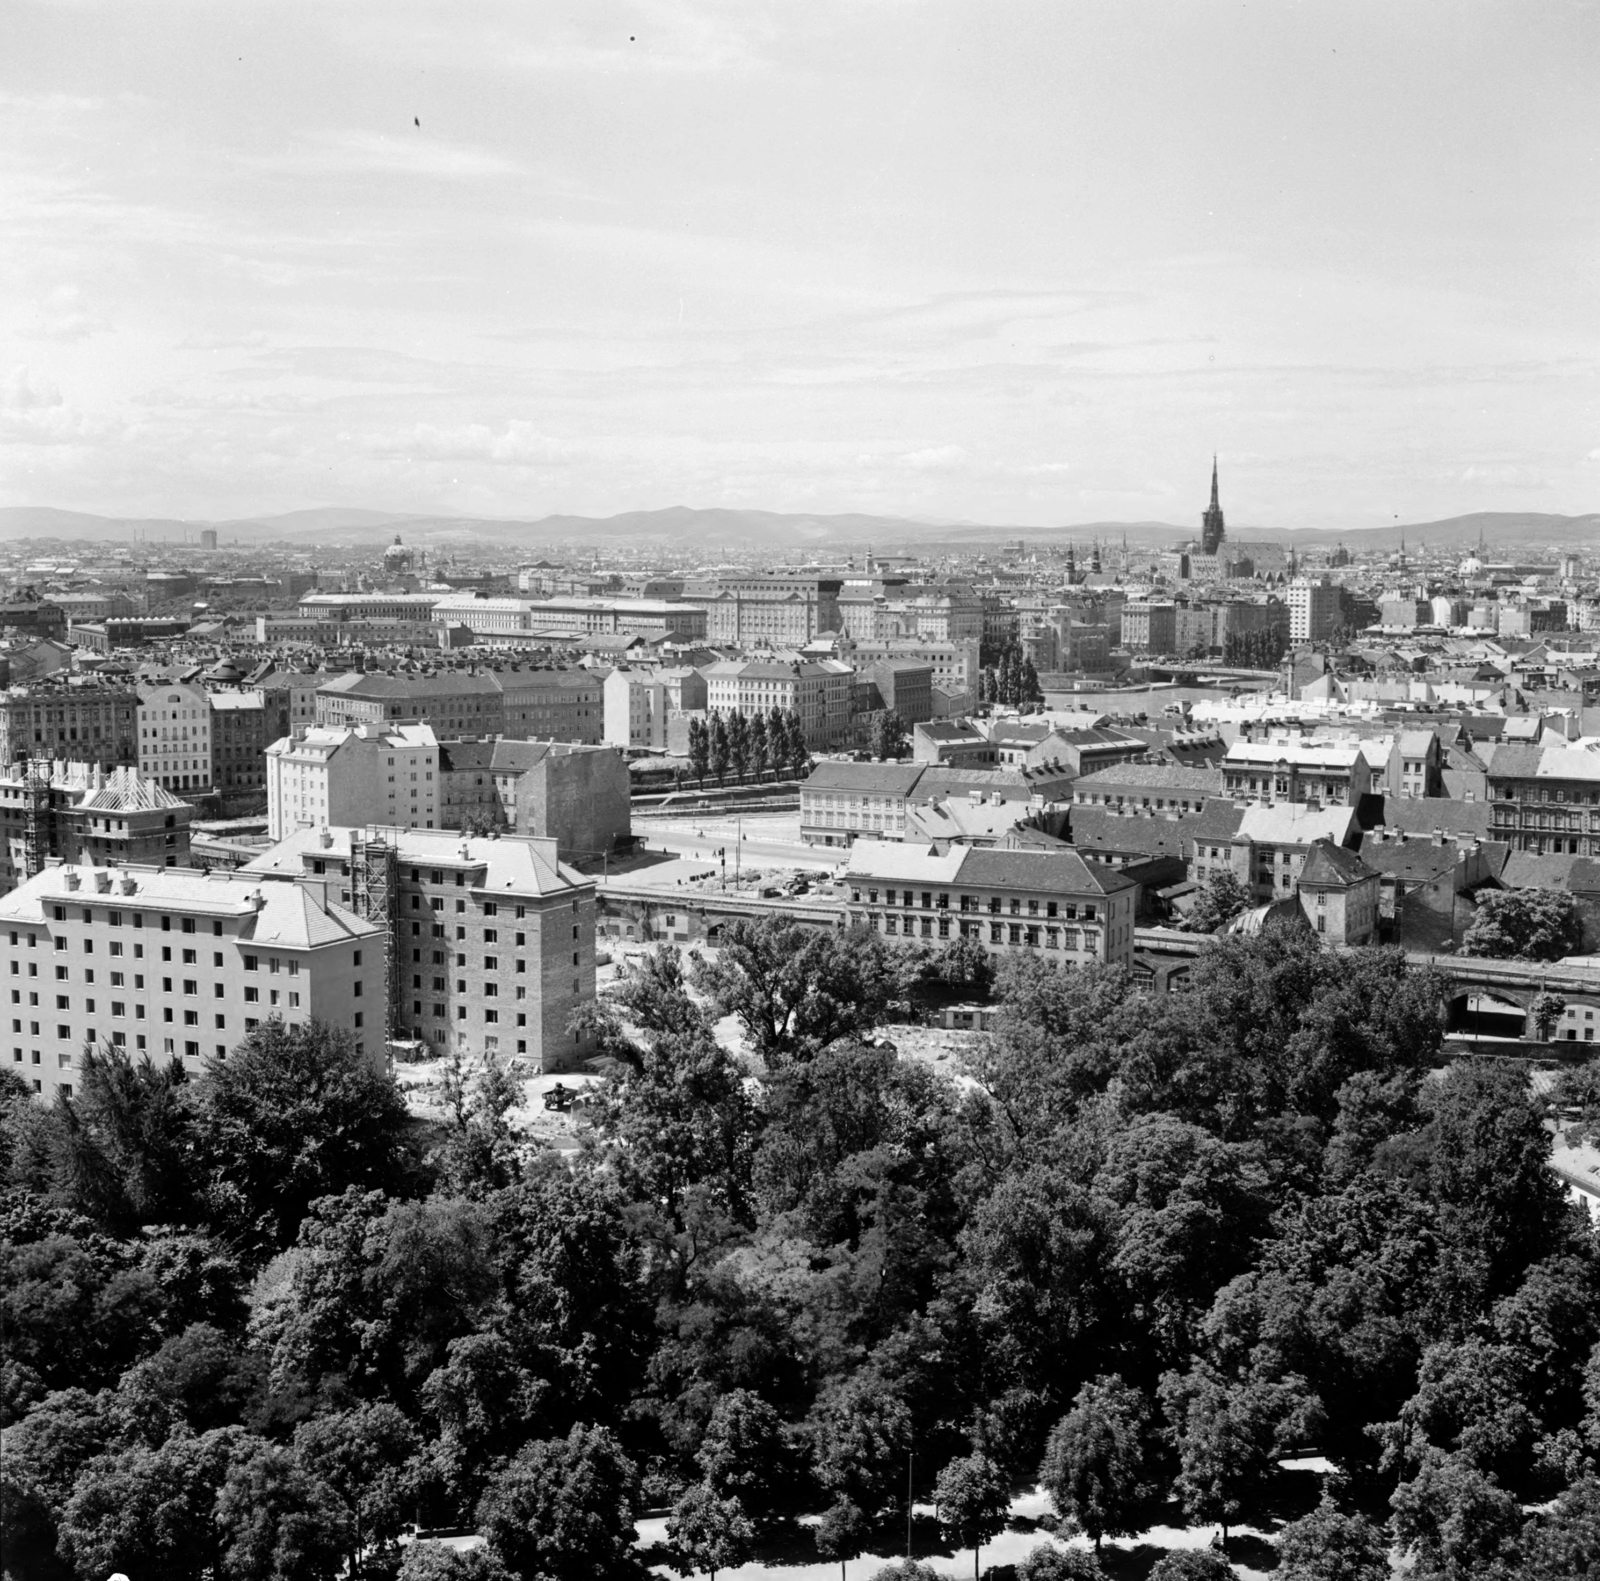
<point x="175" y="735"/>
<point x="1050" y="903"/>
<point x="1313" y="608"/>
<point x="759" y="610"/>
<point x="494" y="937"/>
<point x="525" y="622"/>
<point x="368" y="606"/>
<point x="353" y="774"/>
<point x="176" y="964"/>
<point x="1150" y="626"/>
<point x="1297" y="769"/>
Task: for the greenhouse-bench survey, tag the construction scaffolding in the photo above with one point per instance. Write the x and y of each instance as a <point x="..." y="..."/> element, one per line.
<point x="37" y="834"/>
<point x="375" y="895"/>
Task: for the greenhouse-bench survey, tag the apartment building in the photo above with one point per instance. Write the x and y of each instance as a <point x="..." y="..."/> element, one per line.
<point x="1150" y="626"/>
<point x="355" y="774"/>
<point x="453" y="702"/>
<point x="1313" y="608"/>
<point x="1053" y="903"/>
<point x="494" y="936"/>
<point x="1287" y="768"/>
<point x="840" y="802"/>
<point x="176" y="964"/>
<point x="175" y="735"/>
<point x="338" y="607"/>
<point x="238" y="742"/>
<point x="1339" y="894"/>
<point x="578" y="796"/>
<point x="1167" y="789"/>
<point x="551" y="705"/>
<point x="1264" y="847"/>
<point x="86" y="719"/>
<point x="955" y="664"/>
<point x="822" y="694"/>
<point x="62" y="811"/>
<point x="527" y="621"/>
<point x="1546" y="799"/>
<point x="101" y="604"/>
<point x="766" y="611"/>
<point x="903" y="685"/>
<point x="638" y="704"/>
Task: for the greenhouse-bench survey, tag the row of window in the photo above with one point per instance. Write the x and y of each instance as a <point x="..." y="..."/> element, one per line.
<point x="933" y="900"/>
<point x="1031" y="935"/>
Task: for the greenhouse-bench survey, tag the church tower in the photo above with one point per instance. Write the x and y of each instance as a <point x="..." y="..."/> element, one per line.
<point x="1211" y="528"/>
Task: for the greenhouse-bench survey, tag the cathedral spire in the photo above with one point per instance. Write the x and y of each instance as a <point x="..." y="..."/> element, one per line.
<point x="1215" y="503"/>
<point x="1212" y="531"/>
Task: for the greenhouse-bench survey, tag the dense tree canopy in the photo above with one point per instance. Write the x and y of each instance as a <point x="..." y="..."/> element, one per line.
<point x="1525" y="925"/>
<point x="1139" y="1248"/>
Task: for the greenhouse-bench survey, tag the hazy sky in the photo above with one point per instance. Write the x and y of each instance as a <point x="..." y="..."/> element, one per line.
<point x="998" y="261"/>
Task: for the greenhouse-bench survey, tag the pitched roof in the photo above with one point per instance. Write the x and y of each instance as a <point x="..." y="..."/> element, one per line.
<point x="1331" y="866"/>
<point x="1153" y="776"/>
<point x="870" y="779"/>
<point x="1100" y="829"/>
<point x="1289" y="823"/>
<point x="1424" y="814"/>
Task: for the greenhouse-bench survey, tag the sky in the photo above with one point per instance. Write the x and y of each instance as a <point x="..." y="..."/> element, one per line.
<point x="1001" y="261"/>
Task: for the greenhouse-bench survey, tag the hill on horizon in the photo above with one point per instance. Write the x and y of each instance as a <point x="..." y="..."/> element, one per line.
<point x="679" y="526"/>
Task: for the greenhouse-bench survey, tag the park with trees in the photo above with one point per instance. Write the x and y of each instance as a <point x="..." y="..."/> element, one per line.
<point x="262" y="1324"/>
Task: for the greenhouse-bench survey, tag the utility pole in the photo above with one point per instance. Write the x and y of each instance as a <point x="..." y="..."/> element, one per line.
<point x="738" y="846"/>
<point x="909" y="1458"/>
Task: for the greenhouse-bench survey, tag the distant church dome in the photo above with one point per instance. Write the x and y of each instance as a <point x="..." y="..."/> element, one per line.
<point x="397" y="558"/>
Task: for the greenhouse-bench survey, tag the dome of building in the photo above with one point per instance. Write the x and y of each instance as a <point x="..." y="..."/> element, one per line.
<point x="397" y="557"/>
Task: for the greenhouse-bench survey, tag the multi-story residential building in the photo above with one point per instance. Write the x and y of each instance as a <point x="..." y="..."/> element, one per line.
<point x="552" y="705"/>
<point x="338" y="607"/>
<point x="1264" y="847"/>
<point x="178" y="965"/>
<point x="1296" y="769"/>
<point x="1313" y="608"/>
<point x="1168" y="789"/>
<point x="175" y="734"/>
<point x="1410" y="763"/>
<point x="87" y="720"/>
<point x="822" y="694"/>
<point x="638" y="704"/>
<point x="238" y="742"/>
<point x="955" y="664"/>
<point x="954" y="741"/>
<point x="952" y="613"/>
<point x="522" y="621"/>
<point x="1339" y="894"/>
<point x="901" y="685"/>
<point x="493" y="937"/>
<point x="127" y="631"/>
<point x="766" y="611"/>
<point x="453" y="702"/>
<point x="1546" y="799"/>
<point x="1054" y="903"/>
<point x="1150" y="626"/>
<point x="288" y="698"/>
<point x="354" y="774"/>
<point x="53" y="810"/>
<point x="25" y="611"/>
<point x="841" y="801"/>
<point x="578" y="796"/>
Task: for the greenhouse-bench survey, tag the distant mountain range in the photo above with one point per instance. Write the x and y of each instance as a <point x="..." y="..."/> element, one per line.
<point x="739" y="531"/>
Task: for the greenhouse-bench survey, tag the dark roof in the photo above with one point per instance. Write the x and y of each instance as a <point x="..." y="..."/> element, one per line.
<point x="1330" y="864"/>
<point x="1218" y="820"/>
<point x="1424" y="814"/>
<point x="1100" y="829"/>
<point x="1414" y="861"/>
<point x="872" y="779"/>
<point x="1513" y="761"/>
<point x="1153" y="776"/>
<point x="1051" y="871"/>
<point x="1524" y="870"/>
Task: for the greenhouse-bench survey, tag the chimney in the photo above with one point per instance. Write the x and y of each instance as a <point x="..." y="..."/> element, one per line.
<point x="325" y="837"/>
<point x="1438" y="836"/>
<point x="72" y="878"/>
<point x="102" y="881"/>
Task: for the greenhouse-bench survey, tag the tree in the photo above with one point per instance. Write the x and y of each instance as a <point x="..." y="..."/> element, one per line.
<point x="294" y="1113"/>
<point x="437" y="1562"/>
<point x="1547" y="1009"/>
<point x="1456" y="1520"/>
<point x="974" y="1501"/>
<point x="564" y="1508"/>
<point x="1525" y="925"/>
<point x="1329" y="1546"/>
<point x="1228" y="1437"/>
<point x="279" y="1523"/>
<point x="699" y="748"/>
<point x="707" y="1532"/>
<point x="1191" y="1564"/>
<point x="795" y="989"/>
<point x="887" y="735"/>
<point x="760" y="745"/>
<point x="363" y="1457"/>
<point x="721" y="747"/>
<point x="1046" y="1563"/>
<point x="1220" y="900"/>
<point x="841" y="1533"/>
<point x="742" y="1454"/>
<point x="860" y="1438"/>
<point x="796" y="753"/>
<point x="1094" y="1464"/>
<point x="1564" y="1542"/>
<point x="739" y="743"/>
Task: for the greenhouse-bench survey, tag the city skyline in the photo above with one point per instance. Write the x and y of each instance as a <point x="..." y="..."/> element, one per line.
<point x="893" y="259"/>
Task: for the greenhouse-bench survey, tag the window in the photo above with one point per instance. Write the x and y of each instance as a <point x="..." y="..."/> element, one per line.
<point x="252" y="963"/>
<point x="252" y="996"/>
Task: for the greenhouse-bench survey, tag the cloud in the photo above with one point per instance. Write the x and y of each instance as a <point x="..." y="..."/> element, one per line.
<point x="518" y="444"/>
<point x="412" y="153"/>
<point x="938" y="458"/>
<point x="64" y="315"/>
<point x="21" y="392"/>
<point x="34" y="412"/>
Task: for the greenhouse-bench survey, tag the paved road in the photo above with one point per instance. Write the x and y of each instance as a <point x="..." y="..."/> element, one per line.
<point x="754" y="853"/>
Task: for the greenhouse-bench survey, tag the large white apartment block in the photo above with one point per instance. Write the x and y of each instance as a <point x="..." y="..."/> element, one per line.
<point x="175" y="964"/>
<point x="1313" y="608"/>
<point x="494" y="937"/>
<point x="821" y="693"/>
<point x="175" y="735"/>
<point x="638" y="704"/>
<point x="353" y="774"/>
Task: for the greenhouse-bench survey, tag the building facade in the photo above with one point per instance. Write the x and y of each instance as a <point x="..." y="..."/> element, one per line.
<point x="359" y="774"/>
<point x="1546" y="800"/>
<point x="238" y="742"/>
<point x="822" y="694"/>
<point x="178" y="965"/>
<point x="494" y="937"/>
<point x="175" y="735"/>
<point x="1294" y="769"/>
<point x="91" y="721"/>
<point x="1313" y="608"/>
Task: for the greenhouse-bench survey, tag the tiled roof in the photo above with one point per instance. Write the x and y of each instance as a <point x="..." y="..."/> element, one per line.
<point x="870" y="779"/>
<point x="1153" y="776"/>
<point x="1100" y="829"/>
<point x="1424" y="814"/>
<point x="1289" y="823"/>
<point x="1329" y="865"/>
